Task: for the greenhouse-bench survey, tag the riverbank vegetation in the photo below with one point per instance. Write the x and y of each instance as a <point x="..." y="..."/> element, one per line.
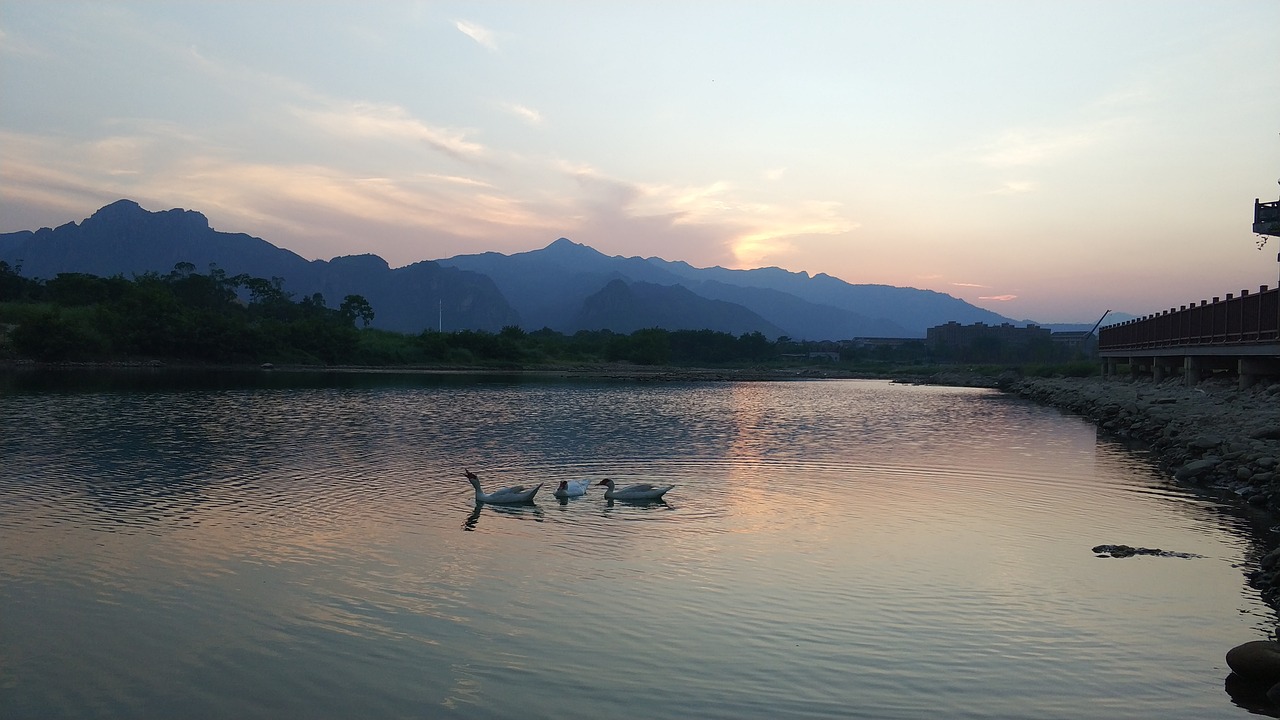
<point x="214" y="318"/>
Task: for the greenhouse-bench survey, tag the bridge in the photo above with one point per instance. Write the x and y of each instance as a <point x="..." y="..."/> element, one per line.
<point x="1239" y="335"/>
<point x="1235" y="334"/>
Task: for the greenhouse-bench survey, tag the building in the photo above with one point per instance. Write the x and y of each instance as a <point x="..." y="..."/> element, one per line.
<point x="953" y="334"/>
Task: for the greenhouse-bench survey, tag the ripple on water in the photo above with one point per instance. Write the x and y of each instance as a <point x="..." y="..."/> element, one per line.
<point x="830" y="550"/>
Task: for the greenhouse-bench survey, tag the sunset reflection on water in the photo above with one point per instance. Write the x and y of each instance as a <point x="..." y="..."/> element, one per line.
<point x="830" y="549"/>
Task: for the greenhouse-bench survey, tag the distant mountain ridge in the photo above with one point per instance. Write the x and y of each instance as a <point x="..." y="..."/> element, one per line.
<point x="565" y="286"/>
<point x="673" y="307"/>
<point x="548" y="284"/>
<point x="124" y="239"/>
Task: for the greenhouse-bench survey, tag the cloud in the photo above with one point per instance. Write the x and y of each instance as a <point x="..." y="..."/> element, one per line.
<point x="12" y="45"/>
<point x="1018" y="148"/>
<point x="717" y="219"/>
<point x="998" y="298"/>
<point x="390" y="122"/>
<point x="313" y="209"/>
<point x="1014" y="187"/>
<point x="528" y="114"/>
<point x="777" y="230"/>
<point x="456" y="180"/>
<point x="482" y="35"/>
<point x="969" y="285"/>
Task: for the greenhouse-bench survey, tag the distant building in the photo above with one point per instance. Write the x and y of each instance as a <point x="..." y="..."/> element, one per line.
<point x="953" y="334"/>
<point x="1007" y="342"/>
<point x="881" y="342"/>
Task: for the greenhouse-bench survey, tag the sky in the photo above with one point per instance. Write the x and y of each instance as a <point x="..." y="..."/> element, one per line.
<point x="1046" y="160"/>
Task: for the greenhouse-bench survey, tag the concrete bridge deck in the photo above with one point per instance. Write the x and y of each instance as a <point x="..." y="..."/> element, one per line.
<point x="1239" y="335"/>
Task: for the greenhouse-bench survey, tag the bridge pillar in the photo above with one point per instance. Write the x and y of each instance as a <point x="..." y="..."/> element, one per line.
<point x="1109" y="367"/>
<point x="1253" y="369"/>
<point x="1138" y="366"/>
<point x="1162" y="366"/>
<point x="1192" y="370"/>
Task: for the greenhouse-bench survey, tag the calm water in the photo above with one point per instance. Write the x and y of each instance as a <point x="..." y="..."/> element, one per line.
<point x="832" y="549"/>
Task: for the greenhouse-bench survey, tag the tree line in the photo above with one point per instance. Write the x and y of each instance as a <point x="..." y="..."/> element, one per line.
<point x="214" y="318"/>
<point x="184" y="315"/>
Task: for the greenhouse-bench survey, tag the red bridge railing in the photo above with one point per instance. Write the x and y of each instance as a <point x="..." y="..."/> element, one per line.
<point x="1250" y="319"/>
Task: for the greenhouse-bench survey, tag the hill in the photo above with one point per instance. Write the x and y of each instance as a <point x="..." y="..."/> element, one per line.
<point x="565" y="286"/>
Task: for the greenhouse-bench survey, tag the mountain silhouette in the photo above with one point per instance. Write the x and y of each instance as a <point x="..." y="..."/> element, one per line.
<point x="124" y="239"/>
<point x="626" y="307"/>
<point x="548" y="286"/>
<point x="565" y="286"/>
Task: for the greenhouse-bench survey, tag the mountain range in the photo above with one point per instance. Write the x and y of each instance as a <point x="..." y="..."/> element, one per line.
<point x="565" y="286"/>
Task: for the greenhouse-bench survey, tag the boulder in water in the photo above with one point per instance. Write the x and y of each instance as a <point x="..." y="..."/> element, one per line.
<point x="1257" y="661"/>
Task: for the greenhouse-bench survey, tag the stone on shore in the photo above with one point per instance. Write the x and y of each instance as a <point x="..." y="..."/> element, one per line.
<point x="1257" y="661"/>
<point x="1196" y="468"/>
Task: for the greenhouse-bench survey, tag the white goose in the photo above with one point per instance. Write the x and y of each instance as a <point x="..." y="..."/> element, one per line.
<point x="640" y="491"/>
<point x="505" y="496"/>
<point x="571" y="488"/>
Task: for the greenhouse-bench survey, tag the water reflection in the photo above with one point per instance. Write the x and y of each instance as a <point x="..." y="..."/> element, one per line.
<point x="523" y="511"/>
<point x="163" y="379"/>
<point x="646" y="503"/>
<point x="830" y="549"/>
<point x="1250" y="696"/>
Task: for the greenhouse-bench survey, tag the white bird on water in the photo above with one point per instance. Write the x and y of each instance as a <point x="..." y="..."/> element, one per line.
<point x="639" y="491"/>
<point x="571" y="488"/>
<point x="505" y="496"/>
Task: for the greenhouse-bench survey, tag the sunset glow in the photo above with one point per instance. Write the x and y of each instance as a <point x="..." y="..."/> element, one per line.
<point x="1046" y="161"/>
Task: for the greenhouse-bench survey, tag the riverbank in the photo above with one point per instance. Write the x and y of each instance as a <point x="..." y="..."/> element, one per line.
<point x="586" y="370"/>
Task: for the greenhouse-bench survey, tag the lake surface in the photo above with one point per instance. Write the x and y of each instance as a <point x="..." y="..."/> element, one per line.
<point x="276" y="545"/>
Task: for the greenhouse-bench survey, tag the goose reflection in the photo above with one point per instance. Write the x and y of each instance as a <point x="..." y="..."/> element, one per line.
<point x="647" y="503"/>
<point x="528" y="511"/>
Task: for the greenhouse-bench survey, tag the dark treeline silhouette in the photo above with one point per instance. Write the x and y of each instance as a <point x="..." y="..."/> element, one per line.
<point x="216" y="318"/>
<point x="180" y="316"/>
<point x="219" y="319"/>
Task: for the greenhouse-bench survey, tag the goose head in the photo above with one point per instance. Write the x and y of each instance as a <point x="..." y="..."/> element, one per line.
<point x="564" y="484"/>
<point x="605" y="481"/>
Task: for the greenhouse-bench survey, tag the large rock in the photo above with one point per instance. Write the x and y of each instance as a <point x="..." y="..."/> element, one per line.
<point x="1257" y="661"/>
<point x="1196" y="468"/>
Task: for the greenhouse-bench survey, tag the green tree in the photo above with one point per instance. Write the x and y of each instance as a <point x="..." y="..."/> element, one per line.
<point x="651" y="346"/>
<point x="13" y="286"/>
<point x="756" y="347"/>
<point x="58" y="335"/>
<point x="355" y="306"/>
<point x="79" y="289"/>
